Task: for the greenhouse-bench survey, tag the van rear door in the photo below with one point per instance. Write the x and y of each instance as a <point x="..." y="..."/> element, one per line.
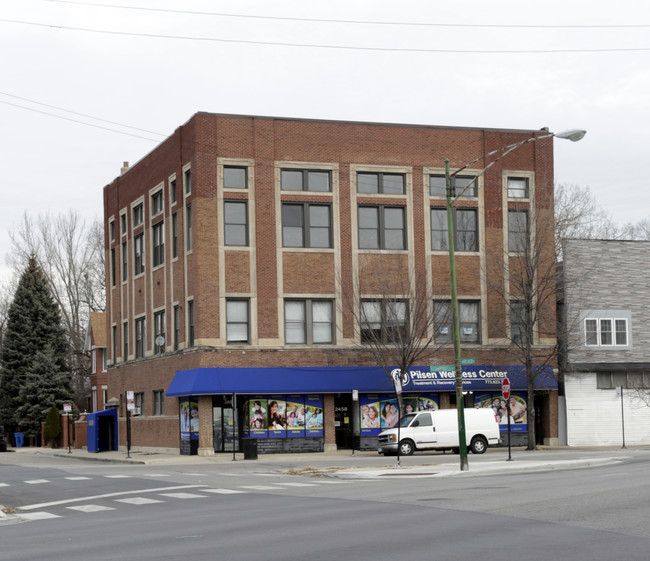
<point x="424" y="433"/>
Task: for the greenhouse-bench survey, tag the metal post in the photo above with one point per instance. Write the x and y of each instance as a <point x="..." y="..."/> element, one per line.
<point x="69" y="450"/>
<point x="622" y="418"/>
<point x="235" y="435"/>
<point x="508" y="413"/>
<point x="128" y="433"/>
<point x="460" y="406"/>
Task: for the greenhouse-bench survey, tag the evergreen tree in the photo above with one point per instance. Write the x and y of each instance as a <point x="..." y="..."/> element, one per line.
<point x="34" y="342"/>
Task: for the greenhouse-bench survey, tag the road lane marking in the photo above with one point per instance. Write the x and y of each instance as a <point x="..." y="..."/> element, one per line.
<point x="78" y="478"/>
<point x="223" y="491"/>
<point x="107" y="495"/>
<point x="183" y="495"/>
<point x="90" y="508"/>
<point x="139" y="501"/>
<point x="38" y="515"/>
<point x="118" y="476"/>
<point x="37" y="481"/>
<point x="261" y="487"/>
<point x="300" y="484"/>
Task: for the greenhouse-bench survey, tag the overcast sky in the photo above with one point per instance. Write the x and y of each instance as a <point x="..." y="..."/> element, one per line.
<point x="75" y="75"/>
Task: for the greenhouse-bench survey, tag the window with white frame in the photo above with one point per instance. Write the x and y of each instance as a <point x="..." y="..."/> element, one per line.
<point x="139" y="337"/>
<point x="237" y="321"/>
<point x="606" y="332"/>
<point x="384" y="321"/>
<point x="158" y="243"/>
<point x="138" y="215"/>
<point x="138" y="249"/>
<point x="465" y="184"/>
<point x="308" y="321"/>
<point x="468" y="317"/>
<point x="157" y="203"/>
<point x="517" y="187"/>
<point x="381" y="183"/>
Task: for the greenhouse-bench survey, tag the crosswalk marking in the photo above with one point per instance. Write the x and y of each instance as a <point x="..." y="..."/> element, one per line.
<point x="90" y="508"/>
<point x="79" y="478"/>
<point x="300" y="484"/>
<point x="37" y="481"/>
<point x="156" y="474"/>
<point x="182" y="495"/>
<point x="4" y="484"/>
<point x="38" y="515"/>
<point x="223" y="491"/>
<point x="118" y="476"/>
<point x="261" y="487"/>
<point x="139" y="501"/>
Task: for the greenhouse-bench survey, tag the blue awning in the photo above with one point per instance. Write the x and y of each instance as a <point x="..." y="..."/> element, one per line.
<point x="344" y="379"/>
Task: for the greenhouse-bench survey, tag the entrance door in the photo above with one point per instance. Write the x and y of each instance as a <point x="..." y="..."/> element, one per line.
<point x="343" y="420"/>
<point x="224" y="425"/>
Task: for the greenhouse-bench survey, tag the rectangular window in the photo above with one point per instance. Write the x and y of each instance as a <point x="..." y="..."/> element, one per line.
<point x="306" y="225"/>
<point x="112" y="229"/>
<point x="113" y="271"/>
<point x="465" y="184"/>
<point x="235" y="177"/>
<point x="114" y="346"/>
<point x="139" y="404"/>
<point x="384" y="183"/>
<point x="237" y="321"/>
<point x="138" y="215"/>
<point x="606" y="332"/>
<point x="172" y="189"/>
<point x="138" y="246"/>
<point x="158" y="402"/>
<point x="190" y="323"/>
<point x="518" y="322"/>
<point x="308" y="321"/>
<point x="305" y="180"/>
<point x="188" y="181"/>
<point x="382" y="227"/>
<point x="174" y="236"/>
<point x="123" y="222"/>
<point x="139" y="337"/>
<point x="157" y="203"/>
<point x="177" y="328"/>
<point x="125" y="340"/>
<point x="517" y="231"/>
<point x="517" y="187"/>
<point x="384" y="321"/>
<point x="158" y="244"/>
<point x="465" y="229"/>
<point x="604" y="381"/>
<point x="188" y="227"/>
<point x="159" y="332"/>
<point x="125" y="263"/>
<point x="235" y="223"/>
<point x="468" y="318"/>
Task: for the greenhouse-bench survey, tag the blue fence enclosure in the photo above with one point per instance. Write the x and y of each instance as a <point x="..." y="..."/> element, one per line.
<point x="102" y="430"/>
<point x="339" y="379"/>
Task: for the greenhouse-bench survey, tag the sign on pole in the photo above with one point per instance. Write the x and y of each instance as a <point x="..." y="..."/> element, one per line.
<point x="505" y="388"/>
<point x="397" y="380"/>
<point x="130" y="401"/>
<point x="67" y="407"/>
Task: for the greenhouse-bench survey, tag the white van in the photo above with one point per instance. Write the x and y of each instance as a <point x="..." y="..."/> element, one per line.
<point x="438" y="430"/>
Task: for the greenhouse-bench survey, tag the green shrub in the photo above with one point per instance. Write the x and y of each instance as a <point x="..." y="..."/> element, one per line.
<point x="52" y="429"/>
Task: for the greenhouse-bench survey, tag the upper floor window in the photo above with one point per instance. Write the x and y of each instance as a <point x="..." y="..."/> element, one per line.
<point x="177" y="328"/>
<point x="156" y="203"/>
<point x="113" y="271"/>
<point x="235" y="223"/>
<point x="465" y="184"/>
<point x="384" y="183"/>
<point x="305" y="180"/>
<point x="188" y="227"/>
<point x="138" y="399"/>
<point x="517" y="231"/>
<point x="518" y="323"/>
<point x="517" y="187"/>
<point x="308" y="321"/>
<point x="172" y="189"/>
<point x="158" y="402"/>
<point x="465" y="224"/>
<point x="125" y="340"/>
<point x="190" y="323"/>
<point x="139" y="337"/>
<point x="237" y="321"/>
<point x="384" y="321"/>
<point x="306" y="225"/>
<point x="382" y="227"/>
<point x="158" y="244"/>
<point x="138" y="247"/>
<point x="123" y="224"/>
<point x="125" y="263"/>
<point x="112" y="229"/>
<point x="138" y="215"/>
<point x="174" y="235"/>
<point x="187" y="176"/>
<point x="468" y="319"/>
<point x="235" y="177"/>
<point x="159" y="332"/>
<point x="606" y="332"/>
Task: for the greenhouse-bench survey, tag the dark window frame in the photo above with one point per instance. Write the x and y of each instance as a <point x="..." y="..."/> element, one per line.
<point x="308" y="321"/>
<point x="383" y="332"/>
<point x="381" y="228"/>
<point x="460" y="236"/>
<point x="517" y="191"/>
<point x="306" y="228"/>
<point x="229" y="226"/>
<point x="138" y="252"/>
<point x="304" y="180"/>
<point x="236" y="322"/>
<point x="159" y="322"/>
<point x="443" y="321"/>
<point x="440" y="190"/>
<point x="158" y="243"/>
<point x="227" y="168"/>
<point x="157" y="203"/>
<point x="140" y="337"/>
<point x="380" y="182"/>
<point x="518" y="239"/>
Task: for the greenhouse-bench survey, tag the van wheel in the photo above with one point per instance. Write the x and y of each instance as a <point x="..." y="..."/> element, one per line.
<point x="478" y="445"/>
<point x="406" y="448"/>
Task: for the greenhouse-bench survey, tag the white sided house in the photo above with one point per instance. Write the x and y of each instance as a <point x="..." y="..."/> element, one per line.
<point x="606" y="342"/>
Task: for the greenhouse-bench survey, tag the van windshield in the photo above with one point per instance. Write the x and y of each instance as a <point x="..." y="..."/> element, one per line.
<point x="406" y="420"/>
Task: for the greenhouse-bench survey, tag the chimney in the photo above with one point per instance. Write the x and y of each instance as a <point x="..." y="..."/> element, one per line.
<point x="125" y="166"/>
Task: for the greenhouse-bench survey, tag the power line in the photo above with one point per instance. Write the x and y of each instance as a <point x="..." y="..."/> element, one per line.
<point x="356" y="22"/>
<point x="316" y="46"/>
<point x="77" y="113"/>
<point x="77" y="121"/>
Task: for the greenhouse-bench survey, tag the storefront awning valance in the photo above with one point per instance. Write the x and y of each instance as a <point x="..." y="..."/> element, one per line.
<point x="344" y="379"/>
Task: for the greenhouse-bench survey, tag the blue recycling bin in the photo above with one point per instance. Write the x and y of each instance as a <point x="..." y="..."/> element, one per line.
<point x="19" y="438"/>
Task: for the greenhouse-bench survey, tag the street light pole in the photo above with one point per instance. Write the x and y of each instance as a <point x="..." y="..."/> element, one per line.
<point x="499" y="153"/>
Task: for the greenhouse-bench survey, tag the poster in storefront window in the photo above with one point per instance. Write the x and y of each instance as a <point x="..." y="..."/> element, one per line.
<point x="370" y="422"/>
<point x="313" y="415"/>
<point x="247" y="419"/>
<point x="428" y="402"/>
<point x="495" y="401"/>
<point x="277" y="417"/>
<point x="389" y="412"/>
<point x="189" y="419"/>
<point x="295" y="415"/>
<point x="257" y="414"/>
